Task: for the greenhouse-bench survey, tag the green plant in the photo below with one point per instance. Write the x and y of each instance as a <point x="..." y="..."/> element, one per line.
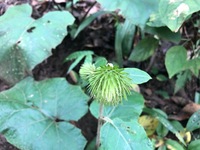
<point x="177" y="62"/>
<point x="43" y="109"/>
<point x="109" y="85"/>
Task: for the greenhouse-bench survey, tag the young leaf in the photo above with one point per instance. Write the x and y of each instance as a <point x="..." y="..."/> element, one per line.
<point x="78" y="56"/>
<point x="26" y="42"/>
<point x="194" y="122"/>
<point x="144" y="49"/>
<point x="137" y="76"/>
<point x="36" y="115"/>
<point x="176" y="61"/>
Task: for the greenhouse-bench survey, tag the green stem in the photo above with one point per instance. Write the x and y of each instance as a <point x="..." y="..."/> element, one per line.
<point x="99" y="126"/>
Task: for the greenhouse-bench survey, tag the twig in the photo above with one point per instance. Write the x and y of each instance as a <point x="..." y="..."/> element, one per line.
<point x="99" y="126"/>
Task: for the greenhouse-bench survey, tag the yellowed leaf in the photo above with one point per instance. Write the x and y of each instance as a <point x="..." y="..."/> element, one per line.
<point x="149" y="123"/>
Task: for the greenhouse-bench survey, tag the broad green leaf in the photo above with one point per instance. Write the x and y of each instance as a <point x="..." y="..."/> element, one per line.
<point x="176" y="61"/>
<point x="194" y="122"/>
<point x="120" y="123"/>
<point x="26" y="42"/>
<point x="78" y="56"/>
<point x="129" y="109"/>
<point x="144" y="49"/>
<point x="137" y="76"/>
<point x="164" y="33"/>
<point x="174" y="12"/>
<point x="194" y="145"/>
<point x="162" y="117"/>
<point x="120" y="135"/>
<point x="36" y="115"/>
<point x="137" y="11"/>
<point x="173" y="145"/>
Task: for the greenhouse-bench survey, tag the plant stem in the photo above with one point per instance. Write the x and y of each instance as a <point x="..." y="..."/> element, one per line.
<point x="99" y="126"/>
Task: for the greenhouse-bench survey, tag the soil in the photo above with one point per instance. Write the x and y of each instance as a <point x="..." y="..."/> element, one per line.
<point x="99" y="37"/>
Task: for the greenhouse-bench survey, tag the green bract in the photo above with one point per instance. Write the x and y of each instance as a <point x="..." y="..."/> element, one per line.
<point x="108" y="84"/>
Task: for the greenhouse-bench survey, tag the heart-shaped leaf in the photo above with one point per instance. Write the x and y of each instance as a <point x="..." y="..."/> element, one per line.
<point x="121" y="130"/>
<point x="36" y="115"/>
<point x="25" y="42"/>
<point x="176" y="61"/>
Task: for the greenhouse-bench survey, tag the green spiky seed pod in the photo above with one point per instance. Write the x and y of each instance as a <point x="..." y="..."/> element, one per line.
<point x="86" y="71"/>
<point x="109" y="84"/>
